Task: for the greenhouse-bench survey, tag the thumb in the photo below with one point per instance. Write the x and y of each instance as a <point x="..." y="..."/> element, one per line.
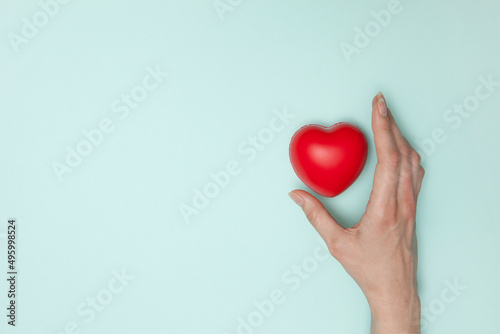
<point x="320" y="219"/>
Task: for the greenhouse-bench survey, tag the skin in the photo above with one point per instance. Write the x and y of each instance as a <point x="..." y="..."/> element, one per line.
<point x="380" y="251"/>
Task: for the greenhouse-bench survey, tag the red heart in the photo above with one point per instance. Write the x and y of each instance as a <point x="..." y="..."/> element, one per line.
<point x="328" y="159"/>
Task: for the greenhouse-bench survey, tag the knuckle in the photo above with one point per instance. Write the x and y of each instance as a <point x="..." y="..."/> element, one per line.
<point x="405" y="151"/>
<point x="405" y="176"/>
<point x="415" y="158"/>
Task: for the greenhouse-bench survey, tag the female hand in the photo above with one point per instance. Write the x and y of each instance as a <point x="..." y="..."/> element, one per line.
<point x="380" y="251"/>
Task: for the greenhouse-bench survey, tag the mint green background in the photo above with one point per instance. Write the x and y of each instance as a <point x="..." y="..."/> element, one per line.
<point x="119" y="209"/>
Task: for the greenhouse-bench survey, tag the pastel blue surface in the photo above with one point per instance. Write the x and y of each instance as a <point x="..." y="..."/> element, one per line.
<point x="112" y="247"/>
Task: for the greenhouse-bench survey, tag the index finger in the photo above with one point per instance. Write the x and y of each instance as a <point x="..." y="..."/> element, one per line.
<point x="386" y="177"/>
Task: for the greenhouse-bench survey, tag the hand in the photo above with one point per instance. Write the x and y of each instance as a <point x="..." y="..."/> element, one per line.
<point x="380" y="251"/>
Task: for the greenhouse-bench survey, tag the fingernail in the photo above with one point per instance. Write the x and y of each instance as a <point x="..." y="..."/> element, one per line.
<point x="296" y="198"/>
<point x="382" y="108"/>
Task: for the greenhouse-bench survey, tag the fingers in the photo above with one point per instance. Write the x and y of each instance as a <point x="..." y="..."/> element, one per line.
<point x="407" y="178"/>
<point x="387" y="171"/>
<point x="410" y="164"/>
<point x="404" y="147"/>
<point x="320" y="219"/>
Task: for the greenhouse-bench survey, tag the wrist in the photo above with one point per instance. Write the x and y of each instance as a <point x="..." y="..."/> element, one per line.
<point x="396" y="314"/>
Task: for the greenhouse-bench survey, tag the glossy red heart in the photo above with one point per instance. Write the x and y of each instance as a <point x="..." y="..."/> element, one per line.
<point x="328" y="159"/>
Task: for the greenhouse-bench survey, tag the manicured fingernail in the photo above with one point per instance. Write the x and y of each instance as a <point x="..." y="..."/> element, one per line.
<point x="382" y="108"/>
<point x="296" y="198"/>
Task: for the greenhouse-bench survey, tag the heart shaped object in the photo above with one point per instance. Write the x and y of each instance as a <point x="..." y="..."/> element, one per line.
<point x="328" y="159"/>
